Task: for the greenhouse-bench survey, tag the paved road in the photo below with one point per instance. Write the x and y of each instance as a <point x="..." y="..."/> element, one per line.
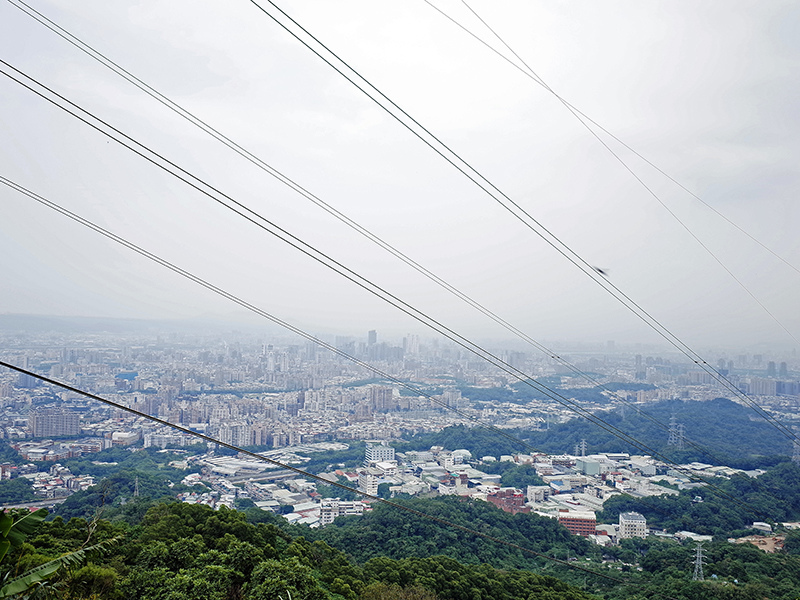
<point x="267" y="476"/>
<point x="39" y="504"/>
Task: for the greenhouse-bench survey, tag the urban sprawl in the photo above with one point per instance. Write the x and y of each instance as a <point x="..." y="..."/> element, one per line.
<point x="302" y="401"/>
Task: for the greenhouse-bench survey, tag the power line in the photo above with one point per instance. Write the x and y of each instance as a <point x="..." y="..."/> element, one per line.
<point x="311" y="252"/>
<point x="523" y="216"/>
<point x="535" y="77"/>
<point x="131" y="246"/>
<point x="550" y="393"/>
<point x="130" y="77"/>
<point x="625" y="165"/>
<point x="582" y="119"/>
<point x="193" y="119"/>
<point x="306" y="474"/>
<point x="270" y="317"/>
<point x="293" y="185"/>
<point x="521" y="376"/>
<point x="327" y="261"/>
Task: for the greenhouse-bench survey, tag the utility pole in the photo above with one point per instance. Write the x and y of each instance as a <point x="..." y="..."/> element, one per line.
<point x="698" y="563"/>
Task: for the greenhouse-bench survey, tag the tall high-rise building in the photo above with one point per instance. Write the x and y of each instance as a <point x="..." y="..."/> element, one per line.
<point x="411" y="344"/>
<point x="372" y="337"/>
<point x="53" y="422"/>
<point x="381" y="398"/>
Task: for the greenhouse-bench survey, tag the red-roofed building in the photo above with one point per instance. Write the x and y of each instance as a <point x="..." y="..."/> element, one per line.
<point x="510" y="500"/>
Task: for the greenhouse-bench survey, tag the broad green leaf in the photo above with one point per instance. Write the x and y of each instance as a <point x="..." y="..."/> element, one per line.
<point x="5" y="523"/>
<point x="30" y="578"/>
<point x="24" y="526"/>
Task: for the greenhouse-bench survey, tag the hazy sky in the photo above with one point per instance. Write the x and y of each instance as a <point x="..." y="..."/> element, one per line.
<point x="709" y="91"/>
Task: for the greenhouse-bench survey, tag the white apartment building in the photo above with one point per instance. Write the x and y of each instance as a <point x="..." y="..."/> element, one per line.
<point x="330" y="508"/>
<point x="631" y="525"/>
<point x="377" y="453"/>
<point x="368" y="480"/>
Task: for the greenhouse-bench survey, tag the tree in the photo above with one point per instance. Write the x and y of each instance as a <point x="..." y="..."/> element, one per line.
<point x="280" y="579"/>
<point x="14" y="528"/>
<point x="382" y="591"/>
<point x="16" y="490"/>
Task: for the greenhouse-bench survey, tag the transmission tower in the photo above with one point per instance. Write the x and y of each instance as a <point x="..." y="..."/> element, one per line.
<point x="796" y="453"/>
<point x="136" y="487"/>
<point x="676" y="433"/>
<point x="580" y="448"/>
<point x="698" y="563"/>
<point x="673" y="432"/>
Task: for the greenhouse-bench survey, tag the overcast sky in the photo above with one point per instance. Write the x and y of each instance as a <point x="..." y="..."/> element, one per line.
<point x="708" y="91"/>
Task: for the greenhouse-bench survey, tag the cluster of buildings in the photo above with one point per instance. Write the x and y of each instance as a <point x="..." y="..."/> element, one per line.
<point x="56" y="482"/>
<point x="572" y="489"/>
<point x="284" y="393"/>
<point x="53" y="451"/>
<point x="251" y="392"/>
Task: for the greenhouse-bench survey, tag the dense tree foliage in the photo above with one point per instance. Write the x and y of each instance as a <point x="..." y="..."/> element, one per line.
<point x="732" y="571"/>
<point x="332" y="491"/>
<point x="513" y="475"/>
<point x="101" y="464"/>
<point x="116" y="491"/>
<point x="478" y="440"/>
<point x="13" y="491"/>
<point x="8" y="454"/>
<point x="452" y="580"/>
<point x="393" y="533"/>
<point x="724" y="429"/>
<point x="187" y="552"/>
<point x="733" y="507"/>
<point x="173" y="551"/>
